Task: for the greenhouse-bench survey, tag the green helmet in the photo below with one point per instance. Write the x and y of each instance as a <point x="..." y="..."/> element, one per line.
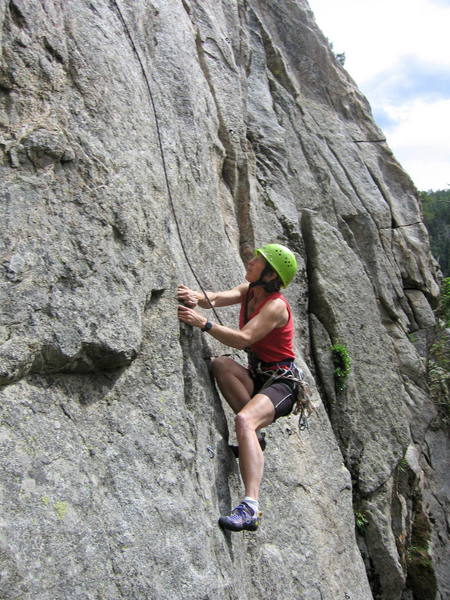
<point x="281" y="259"/>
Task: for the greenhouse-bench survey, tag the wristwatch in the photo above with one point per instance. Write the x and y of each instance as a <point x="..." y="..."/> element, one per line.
<point x="207" y="326"/>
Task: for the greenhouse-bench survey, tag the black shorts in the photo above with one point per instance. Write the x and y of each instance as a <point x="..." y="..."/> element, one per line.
<point x="282" y="393"/>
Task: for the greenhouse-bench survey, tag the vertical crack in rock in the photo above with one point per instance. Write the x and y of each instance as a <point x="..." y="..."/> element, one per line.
<point x="383" y="193"/>
<point x="16" y="15"/>
<point x="205" y="415"/>
<point x="412" y="528"/>
<point x="237" y="164"/>
<point x="275" y="61"/>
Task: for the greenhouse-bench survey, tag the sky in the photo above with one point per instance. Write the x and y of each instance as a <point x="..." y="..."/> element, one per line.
<point x="398" y="53"/>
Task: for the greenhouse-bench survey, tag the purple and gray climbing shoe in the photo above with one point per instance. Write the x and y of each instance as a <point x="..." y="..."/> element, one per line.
<point x="241" y="517"/>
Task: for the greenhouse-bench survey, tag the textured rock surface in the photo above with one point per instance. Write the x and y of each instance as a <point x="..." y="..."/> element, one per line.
<point x="113" y="438"/>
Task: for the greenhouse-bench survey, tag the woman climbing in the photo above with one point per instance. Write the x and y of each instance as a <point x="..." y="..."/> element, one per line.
<point x="267" y="389"/>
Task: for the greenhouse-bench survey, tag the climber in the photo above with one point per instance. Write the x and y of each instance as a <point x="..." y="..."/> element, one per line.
<point x="265" y="390"/>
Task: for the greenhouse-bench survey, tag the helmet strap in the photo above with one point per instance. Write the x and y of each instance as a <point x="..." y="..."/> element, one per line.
<point x="269" y="286"/>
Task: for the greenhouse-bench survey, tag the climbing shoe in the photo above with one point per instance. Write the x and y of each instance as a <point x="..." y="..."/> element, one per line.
<point x="261" y="440"/>
<point x="241" y="517"/>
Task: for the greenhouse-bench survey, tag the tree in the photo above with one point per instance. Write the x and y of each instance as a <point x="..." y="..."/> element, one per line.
<point x="436" y="215"/>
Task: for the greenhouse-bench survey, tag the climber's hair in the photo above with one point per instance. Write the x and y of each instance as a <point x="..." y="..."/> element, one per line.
<point x="275" y="284"/>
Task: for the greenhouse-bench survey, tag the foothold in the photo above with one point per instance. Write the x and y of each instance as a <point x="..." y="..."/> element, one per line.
<point x="210" y="451"/>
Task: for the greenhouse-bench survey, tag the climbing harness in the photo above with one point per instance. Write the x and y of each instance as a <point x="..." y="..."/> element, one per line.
<point x="287" y="370"/>
<point x="163" y="159"/>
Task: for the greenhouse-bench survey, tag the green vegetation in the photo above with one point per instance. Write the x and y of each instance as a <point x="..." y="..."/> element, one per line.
<point x="436" y="215"/>
<point x="415" y="553"/>
<point x="444" y="302"/>
<point x="342" y="366"/>
<point x="402" y="465"/>
<point x="340" y="56"/>
<point x="361" y="521"/>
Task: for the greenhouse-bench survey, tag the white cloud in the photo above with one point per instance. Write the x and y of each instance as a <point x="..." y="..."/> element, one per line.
<point x="398" y="52"/>
<point x="421" y="137"/>
<point x="374" y="34"/>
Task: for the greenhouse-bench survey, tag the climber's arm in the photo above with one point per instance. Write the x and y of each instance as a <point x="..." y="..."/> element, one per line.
<point x="273" y="314"/>
<point x="193" y="298"/>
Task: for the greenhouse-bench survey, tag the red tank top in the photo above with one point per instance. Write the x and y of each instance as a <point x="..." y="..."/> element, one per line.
<point x="278" y="344"/>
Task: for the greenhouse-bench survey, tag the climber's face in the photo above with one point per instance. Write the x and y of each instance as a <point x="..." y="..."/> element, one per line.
<point x="254" y="268"/>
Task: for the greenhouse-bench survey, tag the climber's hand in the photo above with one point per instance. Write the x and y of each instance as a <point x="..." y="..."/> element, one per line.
<point x="187" y="296"/>
<point x="191" y="317"/>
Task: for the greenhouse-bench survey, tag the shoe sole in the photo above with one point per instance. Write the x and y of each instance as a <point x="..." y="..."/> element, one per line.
<point x="229" y="527"/>
<point x="224" y="525"/>
<point x="235" y="528"/>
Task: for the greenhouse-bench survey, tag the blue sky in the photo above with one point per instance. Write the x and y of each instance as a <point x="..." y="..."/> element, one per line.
<point x="398" y="52"/>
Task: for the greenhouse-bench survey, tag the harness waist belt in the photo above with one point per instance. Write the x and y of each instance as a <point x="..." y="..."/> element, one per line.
<point x="287" y="362"/>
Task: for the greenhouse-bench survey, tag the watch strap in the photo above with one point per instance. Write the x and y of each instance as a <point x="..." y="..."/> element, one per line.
<point x="207" y="326"/>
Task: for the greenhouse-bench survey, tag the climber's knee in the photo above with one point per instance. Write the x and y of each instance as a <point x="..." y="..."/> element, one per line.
<point x="221" y="365"/>
<point x="243" y="422"/>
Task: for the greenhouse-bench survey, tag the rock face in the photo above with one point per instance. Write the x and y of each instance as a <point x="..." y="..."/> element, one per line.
<point x="149" y="143"/>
